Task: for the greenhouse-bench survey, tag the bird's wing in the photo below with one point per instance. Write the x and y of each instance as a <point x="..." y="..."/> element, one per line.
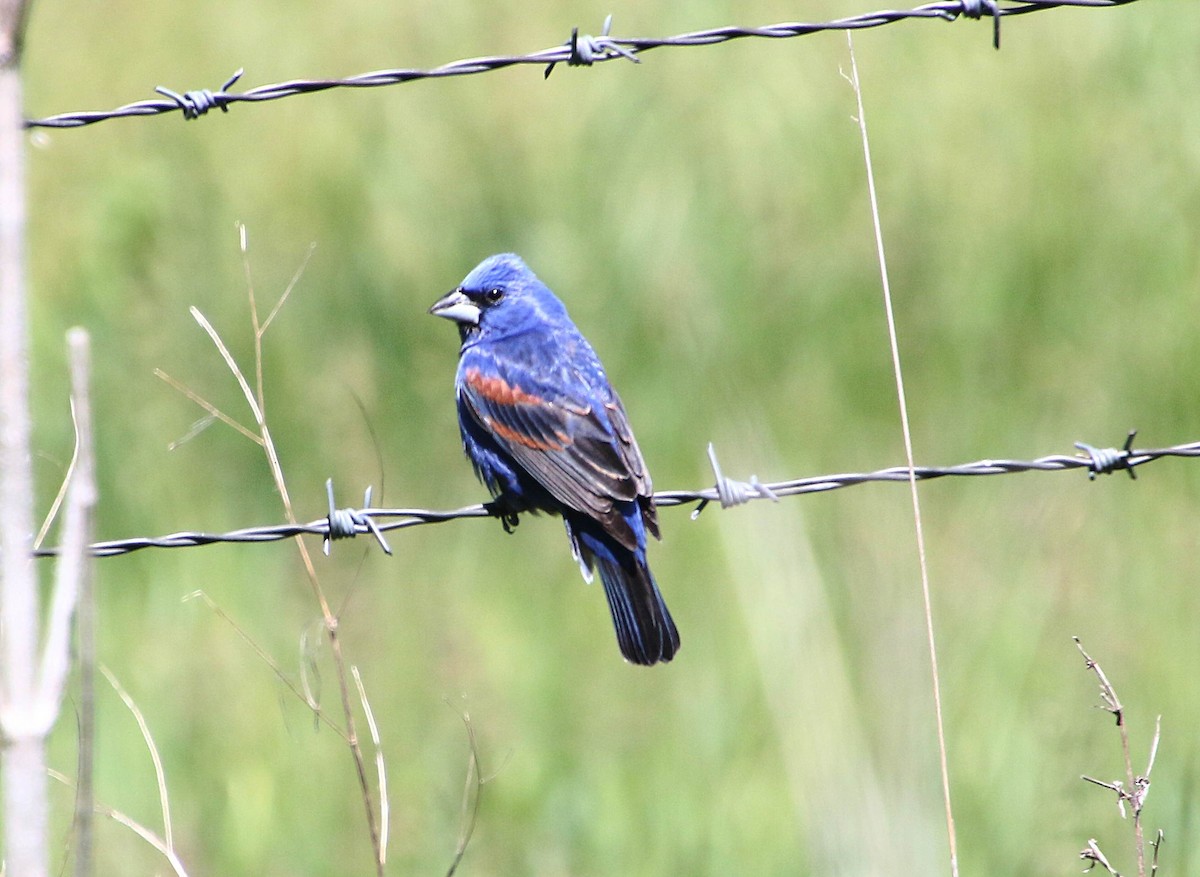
<point x="586" y="458"/>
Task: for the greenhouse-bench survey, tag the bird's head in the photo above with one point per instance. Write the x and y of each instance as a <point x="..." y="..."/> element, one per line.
<point x="501" y="296"/>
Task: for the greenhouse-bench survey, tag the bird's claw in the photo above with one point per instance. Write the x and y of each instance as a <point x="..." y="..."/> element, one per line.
<point x="502" y="508"/>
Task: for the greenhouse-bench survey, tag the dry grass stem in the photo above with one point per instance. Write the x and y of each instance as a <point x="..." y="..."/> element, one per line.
<point x="270" y="662"/>
<point x="74" y="563"/>
<point x="132" y="824"/>
<point x="213" y="410"/>
<point x="908" y="451"/>
<point x="83" y="467"/>
<point x="472" y="792"/>
<point x="310" y="670"/>
<point x="257" y="404"/>
<point x="1133" y="789"/>
<point x="52" y="514"/>
<point x="164" y="801"/>
<point x="1092" y="854"/>
<point x="380" y="765"/>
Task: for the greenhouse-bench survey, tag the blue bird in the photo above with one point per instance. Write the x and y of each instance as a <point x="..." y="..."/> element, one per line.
<point x="546" y="432"/>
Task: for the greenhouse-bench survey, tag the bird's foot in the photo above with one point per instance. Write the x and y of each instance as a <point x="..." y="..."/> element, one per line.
<point x="506" y="510"/>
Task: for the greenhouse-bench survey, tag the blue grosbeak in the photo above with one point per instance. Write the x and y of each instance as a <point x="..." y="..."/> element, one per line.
<point x="546" y="432"/>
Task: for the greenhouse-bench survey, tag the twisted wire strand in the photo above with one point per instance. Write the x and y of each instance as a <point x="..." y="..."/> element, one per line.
<point x="346" y="523"/>
<point x="578" y="51"/>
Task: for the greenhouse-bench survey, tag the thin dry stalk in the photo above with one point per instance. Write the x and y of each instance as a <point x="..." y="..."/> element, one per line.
<point x="270" y="662"/>
<point x="908" y="451"/>
<point x="213" y="411"/>
<point x="35" y="674"/>
<point x="257" y="403"/>
<point x="136" y="827"/>
<point x="82" y="462"/>
<point x="52" y="514"/>
<point x="164" y="801"/>
<point x="73" y="564"/>
<point x="1093" y="856"/>
<point x="1133" y="789"/>
<point x="472" y="792"/>
<point x="380" y="766"/>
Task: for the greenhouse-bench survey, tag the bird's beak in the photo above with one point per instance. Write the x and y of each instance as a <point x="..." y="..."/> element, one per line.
<point x="455" y="306"/>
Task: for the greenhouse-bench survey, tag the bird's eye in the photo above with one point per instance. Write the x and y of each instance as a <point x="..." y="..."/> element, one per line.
<point x="494" y="295"/>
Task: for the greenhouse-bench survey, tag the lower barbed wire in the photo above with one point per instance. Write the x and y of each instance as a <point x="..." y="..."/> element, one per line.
<point x="349" y="522"/>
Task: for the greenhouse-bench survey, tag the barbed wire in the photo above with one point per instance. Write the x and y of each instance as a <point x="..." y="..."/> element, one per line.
<point x="349" y="522"/>
<point x="578" y="51"/>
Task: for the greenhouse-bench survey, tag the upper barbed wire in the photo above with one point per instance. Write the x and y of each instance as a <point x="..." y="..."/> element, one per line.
<point x="576" y="51"/>
<point x="345" y="523"/>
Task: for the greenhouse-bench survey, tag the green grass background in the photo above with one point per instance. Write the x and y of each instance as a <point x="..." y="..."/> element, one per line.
<point x="705" y="217"/>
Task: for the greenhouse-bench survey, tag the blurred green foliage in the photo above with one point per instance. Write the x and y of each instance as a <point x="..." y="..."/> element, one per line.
<point x="704" y="215"/>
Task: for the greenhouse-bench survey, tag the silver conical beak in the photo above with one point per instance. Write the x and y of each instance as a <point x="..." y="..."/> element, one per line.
<point x="456" y="306"/>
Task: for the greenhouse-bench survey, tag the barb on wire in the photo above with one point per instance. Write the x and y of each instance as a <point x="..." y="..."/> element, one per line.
<point x="1106" y="461"/>
<point x="578" y="51"/>
<point x="195" y="104"/>
<point x="586" y="50"/>
<point x="730" y="492"/>
<point x="344" y="523"/>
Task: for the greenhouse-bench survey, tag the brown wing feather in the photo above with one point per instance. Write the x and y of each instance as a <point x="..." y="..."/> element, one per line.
<point x="565" y="446"/>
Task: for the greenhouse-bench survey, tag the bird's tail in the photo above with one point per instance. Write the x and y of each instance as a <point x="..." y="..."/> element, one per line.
<point x="645" y="629"/>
